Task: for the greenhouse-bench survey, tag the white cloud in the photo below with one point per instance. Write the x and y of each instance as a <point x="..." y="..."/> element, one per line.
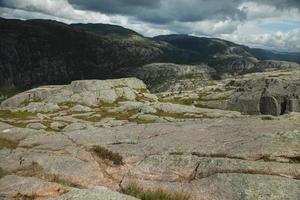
<point x="288" y="41"/>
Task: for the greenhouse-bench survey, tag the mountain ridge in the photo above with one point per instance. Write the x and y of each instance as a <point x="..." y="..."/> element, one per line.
<point x="40" y="52"/>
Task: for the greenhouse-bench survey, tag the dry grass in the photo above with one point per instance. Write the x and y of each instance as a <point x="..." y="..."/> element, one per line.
<point x="140" y="193"/>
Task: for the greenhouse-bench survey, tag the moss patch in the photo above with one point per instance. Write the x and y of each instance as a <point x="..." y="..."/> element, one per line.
<point x="138" y="192"/>
<point x="109" y="155"/>
<point x="9" y="144"/>
<point x="68" y="104"/>
<point x="3" y="173"/>
<point x="161" y="113"/>
<point x="6" y="114"/>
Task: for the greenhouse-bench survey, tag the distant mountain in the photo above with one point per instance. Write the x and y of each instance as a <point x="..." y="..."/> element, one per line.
<point x="225" y="56"/>
<point x="107" y="30"/>
<point x="275" y="55"/>
<point x="39" y="52"/>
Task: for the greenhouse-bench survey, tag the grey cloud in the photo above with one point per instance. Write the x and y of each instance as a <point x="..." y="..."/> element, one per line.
<point x="281" y="4"/>
<point x="166" y="11"/>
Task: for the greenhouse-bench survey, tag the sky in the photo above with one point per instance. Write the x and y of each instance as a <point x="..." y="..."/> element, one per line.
<point x="269" y="24"/>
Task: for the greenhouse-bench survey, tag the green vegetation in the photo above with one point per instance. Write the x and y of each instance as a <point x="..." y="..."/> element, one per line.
<point x="6" y="92"/>
<point x="134" y="190"/>
<point x="267" y="118"/>
<point x="181" y="101"/>
<point x="6" y="114"/>
<point x="68" y="104"/>
<point x="109" y="155"/>
<point x="2" y="173"/>
<point x="9" y="144"/>
<point x="161" y="113"/>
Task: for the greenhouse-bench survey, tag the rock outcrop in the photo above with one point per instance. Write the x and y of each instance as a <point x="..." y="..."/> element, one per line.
<point x="269" y="93"/>
<point x="88" y="92"/>
<point x="210" y="159"/>
<point x="107" y="135"/>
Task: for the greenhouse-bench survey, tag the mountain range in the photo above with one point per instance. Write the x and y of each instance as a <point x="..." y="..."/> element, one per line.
<point x="40" y="52"/>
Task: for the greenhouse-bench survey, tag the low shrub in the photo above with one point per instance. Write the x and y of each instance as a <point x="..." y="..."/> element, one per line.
<point x="109" y="155"/>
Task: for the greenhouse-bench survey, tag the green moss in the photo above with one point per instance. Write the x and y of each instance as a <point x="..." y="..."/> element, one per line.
<point x="6" y="92"/>
<point x="138" y="192"/>
<point x="6" y="114"/>
<point x="9" y="144"/>
<point x="181" y="101"/>
<point x="68" y="104"/>
<point x="3" y="173"/>
<point x="267" y="118"/>
<point x="161" y="113"/>
<point x="109" y="155"/>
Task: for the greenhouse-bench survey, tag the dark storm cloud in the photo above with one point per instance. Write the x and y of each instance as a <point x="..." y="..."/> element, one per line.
<point x="281" y="4"/>
<point x="115" y="6"/>
<point x="164" y="11"/>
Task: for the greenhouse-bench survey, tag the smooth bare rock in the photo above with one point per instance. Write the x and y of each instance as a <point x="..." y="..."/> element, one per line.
<point x="126" y="93"/>
<point x="87" y="92"/>
<point x="107" y="96"/>
<point x="257" y="139"/>
<point x="86" y="98"/>
<point x="32" y="95"/>
<point x="41" y="107"/>
<point x="18" y="187"/>
<point x="266" y="93"/>
<point x="151" y="97"/>
<point x="180" y="167"/>
<point x="183" y="109"/>
<point x="80" y="108"/>
<point x="52" y="142"/>
<point x="57" y="125"/>
<point x="17" y="134"/>
<point x="135" y="106"/>
<point x="99" y="193"/>
<point x="36" y="126"/>
<point x="60" y="96"/>
<point x="150" y="118"/>
<point x="83" y="172"/>
<point x="77" y="126"/>
<point x="234" y="186"/>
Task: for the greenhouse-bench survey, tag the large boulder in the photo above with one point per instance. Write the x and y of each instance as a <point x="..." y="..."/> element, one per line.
<point x="269" y="106"/>
<point x="271" y="93"/>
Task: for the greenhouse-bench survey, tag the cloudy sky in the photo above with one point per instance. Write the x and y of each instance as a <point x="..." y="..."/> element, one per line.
<point x="271" y="24"/>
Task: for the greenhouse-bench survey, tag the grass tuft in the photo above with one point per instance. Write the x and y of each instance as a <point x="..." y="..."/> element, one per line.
<point x="140" y="193"/>
<point x="109" y="155"/>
